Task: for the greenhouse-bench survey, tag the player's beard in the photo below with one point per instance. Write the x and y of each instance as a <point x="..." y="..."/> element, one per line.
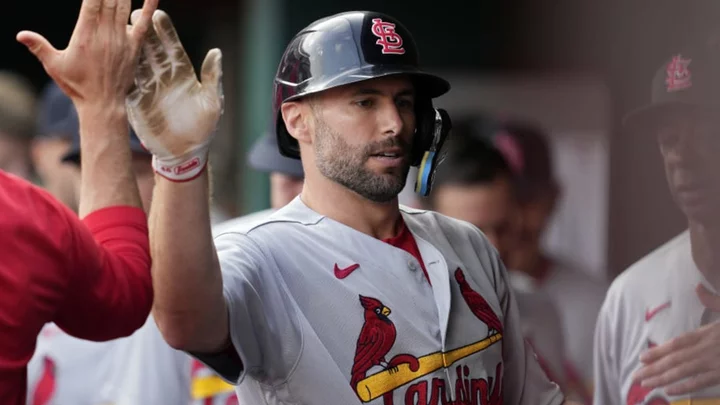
<point x="345" y="164"/>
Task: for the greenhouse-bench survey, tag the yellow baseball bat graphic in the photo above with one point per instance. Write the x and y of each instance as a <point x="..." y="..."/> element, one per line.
<point x="209" y="386"/>
<point x="386" y="381"/>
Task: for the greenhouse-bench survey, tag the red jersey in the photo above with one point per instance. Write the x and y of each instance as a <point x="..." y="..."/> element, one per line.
<point x="91" y="277"/>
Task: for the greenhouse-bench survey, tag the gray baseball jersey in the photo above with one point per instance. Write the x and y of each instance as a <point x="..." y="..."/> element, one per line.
<point x="140" y="369"/>
<point x="652" y="302"/>
<point x="323" y="314"/>
<point x="68" y="370"/>
<point x="541" y="327"/>
<point x="577" y="297"/>
<point x="146" y="370"/>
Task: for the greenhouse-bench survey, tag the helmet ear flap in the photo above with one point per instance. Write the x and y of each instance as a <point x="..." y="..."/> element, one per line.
<point x="425" y="121"/>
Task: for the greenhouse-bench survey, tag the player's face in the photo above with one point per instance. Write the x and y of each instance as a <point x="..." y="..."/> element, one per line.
<point x="283" y="189"/>
<point x="690" y="146"/>
<point x="490" y="207"/>
<point x="363" y="136"/>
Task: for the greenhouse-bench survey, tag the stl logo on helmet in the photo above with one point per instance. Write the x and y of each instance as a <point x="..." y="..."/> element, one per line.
<point x="391" y="41"/>
<point x="678" y="74"/>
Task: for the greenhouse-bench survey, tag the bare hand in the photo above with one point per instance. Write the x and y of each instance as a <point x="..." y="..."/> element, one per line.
<point x="689" y="362"/>
<point x="173" y="113"/>
<point x="98" y="65"/>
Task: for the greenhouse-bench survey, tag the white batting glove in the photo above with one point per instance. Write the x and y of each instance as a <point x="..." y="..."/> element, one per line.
<point x="173" y="114"/>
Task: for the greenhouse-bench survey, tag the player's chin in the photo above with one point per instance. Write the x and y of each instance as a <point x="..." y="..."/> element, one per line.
<point x="698" y="205"/>
<point x="703" y="213"/>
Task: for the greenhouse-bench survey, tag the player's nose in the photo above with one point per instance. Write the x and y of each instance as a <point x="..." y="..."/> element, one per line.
<point x="390" y="119"/>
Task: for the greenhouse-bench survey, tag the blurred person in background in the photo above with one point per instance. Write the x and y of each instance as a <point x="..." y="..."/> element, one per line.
<point x="17" y="125"/>
<point x="658" y="336"/>
<point x="57" y="124"/>
<point x="152" y="372"/>
<point x="286" y="179"/>
<point x="475" y="184"/>
<point x="577" y="295"/>
<point x="515" y="214"/>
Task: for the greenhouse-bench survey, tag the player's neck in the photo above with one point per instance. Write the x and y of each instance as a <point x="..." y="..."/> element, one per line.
<point x="703" y="242"/>
<point x="379" y="220"/>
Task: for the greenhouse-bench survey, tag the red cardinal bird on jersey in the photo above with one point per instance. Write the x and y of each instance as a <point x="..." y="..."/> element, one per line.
<point x="478" y="305"/>
<point x="376" y="338"/>
<point x="45" y="387"/>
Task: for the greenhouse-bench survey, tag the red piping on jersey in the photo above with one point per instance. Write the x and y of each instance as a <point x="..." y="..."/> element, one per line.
<point x="406" y="241"/>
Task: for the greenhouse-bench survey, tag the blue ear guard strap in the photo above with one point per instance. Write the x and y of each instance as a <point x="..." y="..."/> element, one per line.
<point x="422" y="184"/>
<point x="427" y="166"/>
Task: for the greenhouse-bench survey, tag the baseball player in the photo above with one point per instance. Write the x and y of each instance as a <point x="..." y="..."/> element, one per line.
<point x="341" y="296"/>
<point x="475" y="184"/>
<point x="91" y="276"/>
<point x="656" y="299"/>
<point x="576" y="295"/>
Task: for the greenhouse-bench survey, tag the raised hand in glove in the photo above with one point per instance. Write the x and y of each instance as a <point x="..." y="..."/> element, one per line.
<point x="173" y="114"/>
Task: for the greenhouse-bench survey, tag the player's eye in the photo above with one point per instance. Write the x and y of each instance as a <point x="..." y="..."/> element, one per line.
<point x="407" y="103"/>
<point x="365" y="103"/>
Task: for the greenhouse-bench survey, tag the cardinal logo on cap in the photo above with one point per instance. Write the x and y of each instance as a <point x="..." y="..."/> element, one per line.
<point x="678" y="74"/>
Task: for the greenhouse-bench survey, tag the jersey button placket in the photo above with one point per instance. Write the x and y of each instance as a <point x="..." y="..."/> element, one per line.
<point x="412" y="265"/>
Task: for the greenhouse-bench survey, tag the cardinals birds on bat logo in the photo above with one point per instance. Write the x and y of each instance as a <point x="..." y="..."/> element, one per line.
<point x="376" y="340"/>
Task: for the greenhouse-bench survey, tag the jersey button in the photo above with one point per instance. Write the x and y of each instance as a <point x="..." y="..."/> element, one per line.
<point x="412" y="265"/>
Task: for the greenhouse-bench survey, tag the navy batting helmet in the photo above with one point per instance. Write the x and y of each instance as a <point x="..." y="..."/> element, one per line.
<point x="352" y="47"/>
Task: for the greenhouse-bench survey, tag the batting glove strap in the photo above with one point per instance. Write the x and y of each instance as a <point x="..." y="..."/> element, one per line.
<point x="182" y="169"/>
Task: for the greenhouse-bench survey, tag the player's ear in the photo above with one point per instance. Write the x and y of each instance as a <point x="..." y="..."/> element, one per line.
<point x="297" y="118"/>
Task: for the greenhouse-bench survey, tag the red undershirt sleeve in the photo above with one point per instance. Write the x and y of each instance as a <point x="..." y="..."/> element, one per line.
<point x="110" y="288"/>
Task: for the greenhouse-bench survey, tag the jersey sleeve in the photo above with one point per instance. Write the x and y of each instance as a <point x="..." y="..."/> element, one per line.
<point x="524" y="381"/>
<point x="108" y="267"/>
<point x="262" y="317"/>
<point x="606" y="350"/>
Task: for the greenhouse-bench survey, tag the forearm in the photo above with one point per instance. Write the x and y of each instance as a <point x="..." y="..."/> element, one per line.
<point x="189" y="306"/>
<point x="106" y="162"/>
